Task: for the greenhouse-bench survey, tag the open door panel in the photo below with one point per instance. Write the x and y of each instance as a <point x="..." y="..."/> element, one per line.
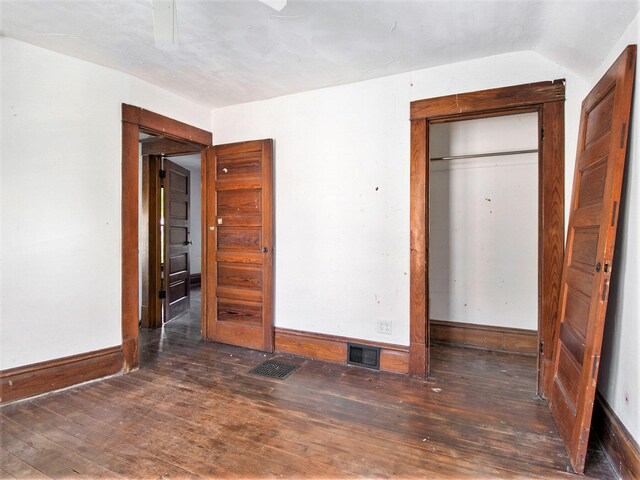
<point x="239" y="237"/>
<point x="177" y="196"/>
<point x="602" y="146"/>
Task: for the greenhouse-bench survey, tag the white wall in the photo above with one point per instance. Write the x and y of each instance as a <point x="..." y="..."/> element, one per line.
<point x="342" y="188"/>
<point x="61" y="200"/>
<point x="483" y="244"/>
<point x="619" y="378"/>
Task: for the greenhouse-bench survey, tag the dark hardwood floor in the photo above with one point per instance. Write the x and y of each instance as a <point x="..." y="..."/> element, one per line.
<point x="193" y="410"/>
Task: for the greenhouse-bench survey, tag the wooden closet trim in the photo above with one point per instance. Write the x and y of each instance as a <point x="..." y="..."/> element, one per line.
<point x="546" y="98"/>
<point x="134" y="120"/>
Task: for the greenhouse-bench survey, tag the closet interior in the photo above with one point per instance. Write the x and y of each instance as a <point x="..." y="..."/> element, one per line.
<point x="483" y="238"/>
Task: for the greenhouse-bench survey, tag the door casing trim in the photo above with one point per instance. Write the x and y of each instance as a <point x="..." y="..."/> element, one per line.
<point x="545" y="98"/>
<point x="135" y="120"/>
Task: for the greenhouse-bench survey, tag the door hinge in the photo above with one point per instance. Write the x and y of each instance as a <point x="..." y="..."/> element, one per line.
<point x="163" y="173"/>
<point x="541" y="348"/>
<point x="162" y="294"/>
<point x="542" y="134"/>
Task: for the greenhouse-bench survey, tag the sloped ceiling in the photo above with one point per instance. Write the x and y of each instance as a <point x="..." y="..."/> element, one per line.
<point x="242" y="50"/>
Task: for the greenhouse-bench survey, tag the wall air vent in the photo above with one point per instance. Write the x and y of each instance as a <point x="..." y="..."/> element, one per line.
<point x="363" y="355"/>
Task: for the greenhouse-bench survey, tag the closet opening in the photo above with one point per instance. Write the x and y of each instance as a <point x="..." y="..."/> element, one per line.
<point x="483" y="238"/>
<point x="439" y="121"/>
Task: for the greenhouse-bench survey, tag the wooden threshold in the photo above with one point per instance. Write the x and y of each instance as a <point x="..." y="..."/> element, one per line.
<point x="331" y="348"/>
<point x="620" y="447"/>
<point x="43" y="377"/>
<point x="488" y="337"/>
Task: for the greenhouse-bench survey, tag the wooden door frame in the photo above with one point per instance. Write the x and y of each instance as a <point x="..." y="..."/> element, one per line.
<point x="149" y="248"/>
<point x="134" y="120"/>
<point x="545" y="98"/>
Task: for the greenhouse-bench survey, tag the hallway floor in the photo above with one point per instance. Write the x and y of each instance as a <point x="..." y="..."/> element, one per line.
<point x="193" y="410"/>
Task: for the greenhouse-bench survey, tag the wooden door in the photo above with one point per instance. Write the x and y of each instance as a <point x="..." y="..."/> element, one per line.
<point x="238" y="286"/>
<point x="177" y="190"/>
<point x="602" y="144"/>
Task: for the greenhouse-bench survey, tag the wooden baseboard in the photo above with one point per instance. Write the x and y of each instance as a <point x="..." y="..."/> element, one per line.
<point x="196" y="279"/>
<point x="621" y="448"/>
<point x="35" y="379"/>
<point x="331" y="348"/>
<point x="503" y="339"/>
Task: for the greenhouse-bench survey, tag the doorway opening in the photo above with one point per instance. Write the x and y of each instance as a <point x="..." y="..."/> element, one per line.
<point x="152" y="136"/>
<point x="483" y="234"/>
<point x="169" y="235"/>
<point x="546" y="101"/>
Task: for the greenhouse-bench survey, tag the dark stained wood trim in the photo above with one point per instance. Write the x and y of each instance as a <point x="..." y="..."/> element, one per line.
<point x="331" y="348"/>
<point x="484" y="114"/>
<point x="621" y="448"/>
<point x="418" y="304"/>
<point x="151" y="309"/>
<point x="130" y="312"/>
<point x="167" y="127"/>
<point x="550" y="234"/>
<point x="196" y="279"/>
<point x="504" y="98"/>
<point x="207" y="266"/>
<point x="134" y="120"/>
<point x="168" y="147"/>
<point x="547" y="98"/>
<point x="43" y="377"/>
<point x="487" y="337"/>
<point x="268" y="239"/>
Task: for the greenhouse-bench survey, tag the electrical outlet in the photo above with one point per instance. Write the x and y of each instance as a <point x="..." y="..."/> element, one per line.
<point x="384" y="326"/>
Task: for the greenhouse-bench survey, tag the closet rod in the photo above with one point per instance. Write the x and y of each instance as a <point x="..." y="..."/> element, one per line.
<point x="479" y="155"/>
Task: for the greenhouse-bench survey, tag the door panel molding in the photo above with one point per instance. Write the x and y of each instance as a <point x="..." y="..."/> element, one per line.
<point x="134" y="120"/>
<point x="546" y="98"/>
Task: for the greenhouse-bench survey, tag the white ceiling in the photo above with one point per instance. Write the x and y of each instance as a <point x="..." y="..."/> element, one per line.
<point x="242" y="50"/>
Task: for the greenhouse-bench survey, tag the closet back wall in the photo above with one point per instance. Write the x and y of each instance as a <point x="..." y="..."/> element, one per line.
<point x="484" y="222"/>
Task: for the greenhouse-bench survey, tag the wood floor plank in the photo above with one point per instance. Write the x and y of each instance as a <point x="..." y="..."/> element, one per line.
<point x="14" y="467"/>
<point x="193" y="410"/>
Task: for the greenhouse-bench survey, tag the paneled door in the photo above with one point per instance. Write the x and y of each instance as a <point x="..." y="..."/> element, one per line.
<point x="176" y="204"/>
<point x="593" y="220"/>
<point x="238" y="239"/>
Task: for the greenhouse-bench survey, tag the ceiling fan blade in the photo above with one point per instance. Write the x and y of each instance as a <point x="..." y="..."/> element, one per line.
<point x="275" y="4"/>
<point x="165" y="24"/>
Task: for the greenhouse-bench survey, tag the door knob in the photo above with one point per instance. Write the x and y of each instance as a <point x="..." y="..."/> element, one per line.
<point x="265" y="250"/>
<point x="188" y="243"/>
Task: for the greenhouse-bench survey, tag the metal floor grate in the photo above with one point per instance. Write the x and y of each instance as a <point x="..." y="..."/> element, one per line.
<point x="275" y="369"/>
